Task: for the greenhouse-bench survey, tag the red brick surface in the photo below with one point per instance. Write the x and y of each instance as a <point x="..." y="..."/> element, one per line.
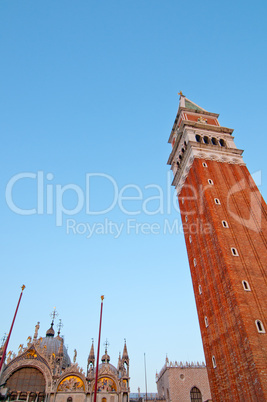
<point x="231" y="336"/>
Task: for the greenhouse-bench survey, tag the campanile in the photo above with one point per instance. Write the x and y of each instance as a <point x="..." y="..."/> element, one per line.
<point x="225" y="226"/>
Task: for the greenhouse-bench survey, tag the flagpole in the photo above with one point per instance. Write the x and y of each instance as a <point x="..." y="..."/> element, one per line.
<point x="145" y="374"/>
<point x="9" y="334"/>
<point x="98" y="348"/>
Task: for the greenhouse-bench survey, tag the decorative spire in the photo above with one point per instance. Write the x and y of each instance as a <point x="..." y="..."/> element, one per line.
<point x="59" y="326"/>
<point x="125" y="352"/>
<point x="91" y="358"/>
<point x="92" y="352"/>
<point x="60" y="349"/>
<point x="106" y="357"/>
<point x="53" y="315"/>
<point x="3" y="339"/>
<point x="50" y="331"/>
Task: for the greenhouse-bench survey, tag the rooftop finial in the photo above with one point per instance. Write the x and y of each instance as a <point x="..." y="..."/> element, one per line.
<point x="3" y="339"/>
<point x="53" y="315"/>
<point x="106" y="344"/>
<point x="180" y="93"/>
<point x="59" y="325"/>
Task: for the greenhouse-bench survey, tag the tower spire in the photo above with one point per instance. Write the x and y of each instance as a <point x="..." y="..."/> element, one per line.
<point x="125" y="352"/>
<point x="91" y="358"/>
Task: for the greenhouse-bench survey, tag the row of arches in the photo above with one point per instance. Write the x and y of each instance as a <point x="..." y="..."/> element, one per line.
<point x="212" y="141"/>
<point x="25" y="396"/>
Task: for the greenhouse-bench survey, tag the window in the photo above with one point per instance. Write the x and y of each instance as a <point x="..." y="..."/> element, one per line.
<point x="214" y="362"/>
<point x="217" y="201"/>
<point x="204" y="164"/>
<point x="225" y="224"/>
<point x="214" y="141"/>
<point x="186" y="219"/>
<point x="32" y="397"/>
<point x="198" y="138"/>
<point x="206" y="140"/>
<point x="190" y="239"/>
<point x="260" y="326"/>
<point x="234" y="252"/>
<point x="183" y="150"/>
<point x="222" y="143"/>
<point x="200" y="289"/>
<point x="195" y="262"/>
<point x="182" y="200"/>
<point x="206" y="322"/>
<point x="246" y="286"/>
<point x="195" y="395"/>
<point x="210" y="181"/>
<point x="41" y="397"/>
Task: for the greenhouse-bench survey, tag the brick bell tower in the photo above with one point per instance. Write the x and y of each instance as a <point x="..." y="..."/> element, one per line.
<point x="225" y="227"/>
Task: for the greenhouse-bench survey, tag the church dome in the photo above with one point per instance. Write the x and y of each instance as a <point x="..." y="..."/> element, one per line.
<point x="103" y="366"/>
<point x="54" y="345"/>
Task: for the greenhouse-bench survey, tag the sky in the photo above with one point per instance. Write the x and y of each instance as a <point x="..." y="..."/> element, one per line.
<point x="88" y="97"/>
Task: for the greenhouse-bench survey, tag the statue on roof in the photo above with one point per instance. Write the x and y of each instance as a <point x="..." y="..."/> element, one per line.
<point x="37" y="326"/>
<point x="75" y="355"/>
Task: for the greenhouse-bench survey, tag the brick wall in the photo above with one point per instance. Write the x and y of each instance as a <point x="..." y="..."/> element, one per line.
<point x="231" y="335"/>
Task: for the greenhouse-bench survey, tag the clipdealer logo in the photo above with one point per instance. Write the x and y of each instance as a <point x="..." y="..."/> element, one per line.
<point x="48" y="198"/>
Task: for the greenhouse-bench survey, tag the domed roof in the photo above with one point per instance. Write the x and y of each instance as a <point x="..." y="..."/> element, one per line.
<point x="50" y="331"/>
<point x="105" y="357"/>
<point x="52" y="345"/>
<point x="104" y="366"/>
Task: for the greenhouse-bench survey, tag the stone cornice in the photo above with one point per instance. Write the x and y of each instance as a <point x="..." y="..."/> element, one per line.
<point x="203" y="112"/>
<point x="174" y="149"/>
<point x="206" y="127"/>
<point x="232" y="156"/>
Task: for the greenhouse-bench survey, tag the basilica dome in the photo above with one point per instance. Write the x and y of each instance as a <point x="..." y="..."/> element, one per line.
<point x="54" y="345"/>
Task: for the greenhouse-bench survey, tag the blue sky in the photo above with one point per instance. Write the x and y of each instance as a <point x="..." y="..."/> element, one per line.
<point x="91" y="87"/>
